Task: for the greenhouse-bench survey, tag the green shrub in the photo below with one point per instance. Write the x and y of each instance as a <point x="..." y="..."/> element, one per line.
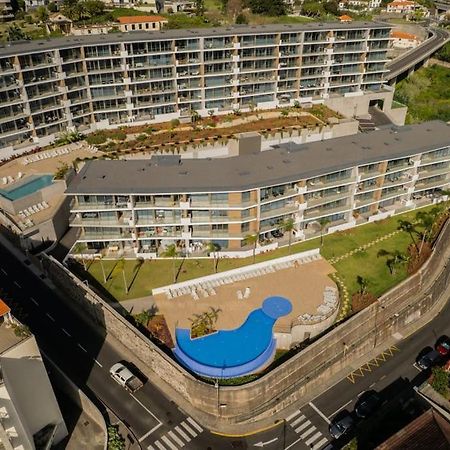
<point x="96" y="138"/>
<point x="118" y="135"/>
<point x="174" y="123"/>
<point x="141" y="137"/>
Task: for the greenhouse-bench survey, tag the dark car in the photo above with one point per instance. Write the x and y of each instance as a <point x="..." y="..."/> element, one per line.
<point x="443" y="346"/>
<point x="367" y="404"/>
<point x="341" y="426"/>
<point x="277" y="233"/>
<point x="428" y="360"/>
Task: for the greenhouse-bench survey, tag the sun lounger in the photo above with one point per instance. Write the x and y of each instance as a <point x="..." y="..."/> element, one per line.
<point x="239" y="295"/>
<point x="247" y="293"/>
<point x="5" y="180"/>
<point x="35" y="208"/>
<point x="45" y="204"/>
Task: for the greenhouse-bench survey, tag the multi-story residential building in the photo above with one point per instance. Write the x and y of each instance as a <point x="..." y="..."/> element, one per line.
<point x="30" y="417"/>
<point x="138" y="207"/>
<point x="6" y="11"/>
<point x="90" y="82"/>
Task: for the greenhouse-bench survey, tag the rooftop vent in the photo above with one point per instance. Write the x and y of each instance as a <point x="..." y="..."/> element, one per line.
<point x="286" y="161"/>
<point x="328" y="149"/>
<point x="270" y="167"/>
<point x="244" y="173"/>
<point x="183" y="172"/>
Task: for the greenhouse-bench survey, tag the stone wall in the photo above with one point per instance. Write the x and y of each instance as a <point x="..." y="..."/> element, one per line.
<point x="300" y="376"/>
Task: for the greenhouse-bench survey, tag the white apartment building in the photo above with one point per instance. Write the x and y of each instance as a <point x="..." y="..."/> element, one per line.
<point x="104" y="81"/>
<point x="137" y="208"/>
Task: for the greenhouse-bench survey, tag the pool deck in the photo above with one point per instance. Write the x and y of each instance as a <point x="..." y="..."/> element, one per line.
<point x="302" y="285"/>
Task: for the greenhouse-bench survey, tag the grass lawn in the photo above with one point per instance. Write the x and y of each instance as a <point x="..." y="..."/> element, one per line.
<point x="156" y="273"/>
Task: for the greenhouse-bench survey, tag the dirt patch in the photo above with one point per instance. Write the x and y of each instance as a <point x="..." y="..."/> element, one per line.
<point x="157" y="326"/>
<point x="362" y="301"/>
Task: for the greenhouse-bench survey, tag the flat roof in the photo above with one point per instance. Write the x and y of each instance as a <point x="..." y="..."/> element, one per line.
<point x="282" y="164"/>
<point x="13" y="48"/>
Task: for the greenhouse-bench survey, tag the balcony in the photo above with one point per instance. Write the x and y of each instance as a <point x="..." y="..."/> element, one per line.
<point x="287" y="209"/>
<point x="316" y="199"/>
<point x="323" y="212"/>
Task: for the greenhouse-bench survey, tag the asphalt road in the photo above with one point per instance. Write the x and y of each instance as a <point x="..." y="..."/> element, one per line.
<point x="155" y="420"/>
<point x="402" y="63"/>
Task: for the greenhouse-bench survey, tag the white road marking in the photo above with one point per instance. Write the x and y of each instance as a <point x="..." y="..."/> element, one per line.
<point x="342" y="407"/>
<point x="66" y="332"/>
<point x="82" y="348"/>
<point x="160" y="446"/>
<point x="303" y="426"/>
<point x="318" y="411"/>
<point x="188" y="429"/>
<point x="295" y="413"/>
<point x="146" y="435"/>
<point x="168" y="442"/>
<point x="313" y="438"/>
<point x="34" y="301"/>
<point x="417" y="367"/>
<point x="298" y="420"/>
<point x="4" y="272"/>
<point x="372" y="385"/>
<point x="291" y="445"/>
<point x="308" y="432"/>
<point x="183" y="434"/>
<point x="361" y="393"/>
<point x="176" y="438"/>
<point x="150" y="447"/>
<point x="194" y="424"/>
<point x="17" y="284"/>
<point x="96" y="362"/>
<point x="320" y="444"/>
<point x="50" y="317"/>
<point x="143" y="406"/>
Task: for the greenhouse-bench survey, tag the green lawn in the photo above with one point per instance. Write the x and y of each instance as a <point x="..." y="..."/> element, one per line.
<point x="156" y="273"/>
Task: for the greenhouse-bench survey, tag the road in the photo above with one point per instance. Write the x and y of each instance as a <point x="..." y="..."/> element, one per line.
<point x="399" y="65"/>
<point x="156" y="421"/>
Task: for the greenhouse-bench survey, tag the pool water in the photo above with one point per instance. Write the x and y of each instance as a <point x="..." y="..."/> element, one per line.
<point x="234" y="352"/>
<point x="28" y="186"/>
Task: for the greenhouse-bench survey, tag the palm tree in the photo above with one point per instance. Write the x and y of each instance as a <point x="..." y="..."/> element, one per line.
<point x="214" y="248"/>
<point x="120" y="266"/>
<point x="409" y="228"/>
<point x="425" y="220"/>
<point x="252" y="239"/>
<point x="396" y="258"/>
<point x="100" y="258"/>
<point x="323" y="222"/>
<point x="171" y="252"/>
<point x="289" y="226"/>
<point x="363" y="283"/>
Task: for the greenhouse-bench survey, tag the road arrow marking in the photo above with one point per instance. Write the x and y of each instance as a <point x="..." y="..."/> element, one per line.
<point x="263" y="444"/>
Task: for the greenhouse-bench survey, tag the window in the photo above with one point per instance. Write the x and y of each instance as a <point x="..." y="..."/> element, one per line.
<point x="245" y="227"/>
<point x="245" y="197"/>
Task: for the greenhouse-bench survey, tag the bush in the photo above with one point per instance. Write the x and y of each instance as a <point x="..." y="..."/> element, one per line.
<point x="96" y="138"/>
<point x="115" y="439"/>
<point x="118" y="135"/>
<point x="440" y="381"/>
<point x="141" y="137"/>
<point x="174" y="123"/>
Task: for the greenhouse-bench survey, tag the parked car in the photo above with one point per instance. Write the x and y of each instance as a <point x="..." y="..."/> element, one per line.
<point x="367" y="404"/>
<point x="428" y="360"/>
<point x="277" y="233"/>
<point x="125" y="377"/>
<point x="443" y="346"/>
<point x="342" y="425"/>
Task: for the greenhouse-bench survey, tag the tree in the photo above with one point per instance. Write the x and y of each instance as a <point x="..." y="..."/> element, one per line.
<point x="331" y="7"/>
<point x="363" y="283"/>
<point x="78" y="249"/>
<point x="440" y="381"/>
<point x="137" y="267"/>
<point x="268" y="7"/>
<point x="214" y="248"/>
<point x="15" y="33"/>
<point x="409" y="228"/>
<point x="426" y="221"/>
<point x="396" y="258"/>
<point x="323" y="222"/>
<point x="100" y="258"/>
<point x="52" y="7"/>
<point x="289" y="226"/>
<point x="115" y="439"/>
<point x="241" y="19"/>
<point x="42" y="14"/>
<point x="143" y="317"/>
<point x="252" y="239"/>
<point x="199" y="7"/>
<point x="171" y="252"/>
<point x="312" y="9"/>
<point x="120" y="267"/>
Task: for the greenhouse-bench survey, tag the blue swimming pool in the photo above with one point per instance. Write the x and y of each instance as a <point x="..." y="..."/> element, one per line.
<point x="27" y="186"/>
<point x="231" y="353"/>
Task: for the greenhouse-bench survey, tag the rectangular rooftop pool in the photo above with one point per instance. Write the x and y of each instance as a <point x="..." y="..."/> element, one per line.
<point x="27" y="186"/>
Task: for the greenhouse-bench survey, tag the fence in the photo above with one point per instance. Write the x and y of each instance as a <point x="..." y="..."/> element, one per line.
<point x="306" y="372"/>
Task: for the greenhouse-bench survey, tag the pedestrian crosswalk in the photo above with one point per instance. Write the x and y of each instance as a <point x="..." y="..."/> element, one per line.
<point x="307" y="432"/>
<point x="177" y="438"/>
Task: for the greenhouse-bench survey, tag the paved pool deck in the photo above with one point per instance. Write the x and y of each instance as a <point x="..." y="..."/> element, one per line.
<point x="302" y="285"/>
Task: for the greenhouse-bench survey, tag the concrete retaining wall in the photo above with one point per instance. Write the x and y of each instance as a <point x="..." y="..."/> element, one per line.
<point x="298" y="377"/>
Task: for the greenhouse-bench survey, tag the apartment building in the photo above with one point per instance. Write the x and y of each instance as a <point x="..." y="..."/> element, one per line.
<point x="137" y="208"/>
<point x="30" y="417"/>
<point x="6" y="11"/>
<point x="91" y="82"/>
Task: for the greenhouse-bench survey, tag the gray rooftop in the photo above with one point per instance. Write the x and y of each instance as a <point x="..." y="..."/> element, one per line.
<point x="7" y="49"/>
<point x="287" y="163"/>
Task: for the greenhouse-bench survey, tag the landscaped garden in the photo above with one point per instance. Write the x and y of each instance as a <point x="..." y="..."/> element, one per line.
<point x="175" y="137"/>
<point x="380" y="266"/>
